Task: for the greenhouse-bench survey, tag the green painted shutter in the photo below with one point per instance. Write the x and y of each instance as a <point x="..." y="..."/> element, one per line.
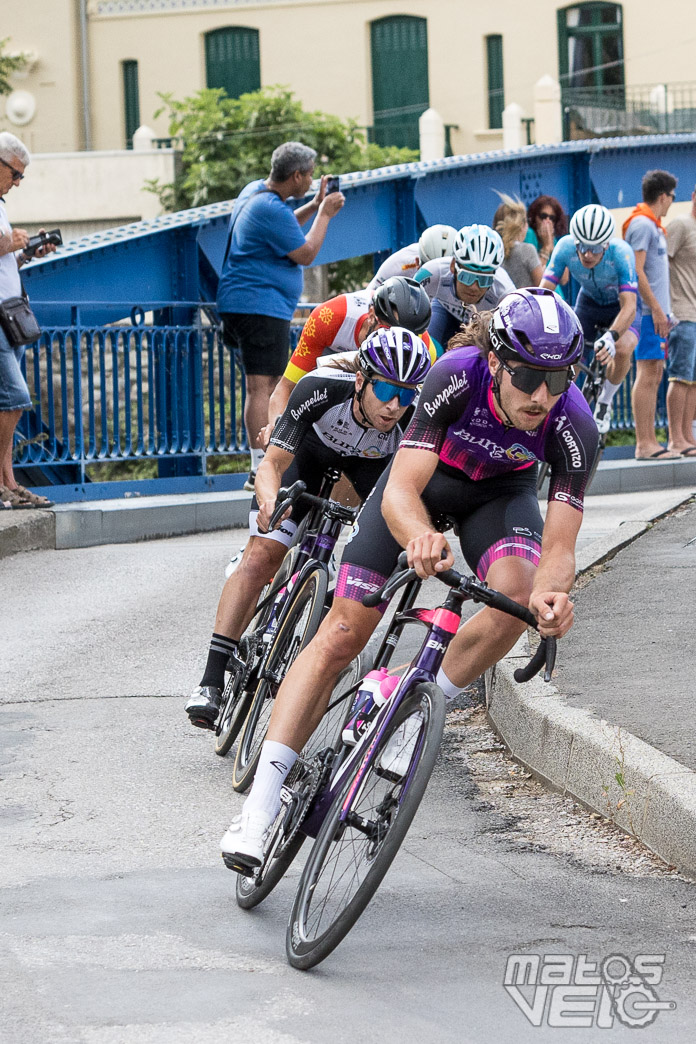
<point x="496" y="96"/>
<point x="232" y="60"/>
<point x="399" y="78"/>
<point x="131" y="100"/>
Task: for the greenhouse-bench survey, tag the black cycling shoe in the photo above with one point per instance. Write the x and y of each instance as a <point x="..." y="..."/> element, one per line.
<point x="203" y="706"/>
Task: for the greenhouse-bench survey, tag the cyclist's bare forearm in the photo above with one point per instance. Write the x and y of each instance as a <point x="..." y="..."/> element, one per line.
<point x="279" y="399"/>
<point x="627" y="313"/>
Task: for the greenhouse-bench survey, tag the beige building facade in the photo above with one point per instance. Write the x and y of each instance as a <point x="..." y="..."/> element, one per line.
<point x="98" y="66"/>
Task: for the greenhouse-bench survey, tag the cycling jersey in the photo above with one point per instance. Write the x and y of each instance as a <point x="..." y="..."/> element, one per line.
<point x="334" y="326"/>
<point x="323" y="402"/>
<point x="615" y="274"/>
<point x="484" y="480"/>
<point x="449" y="312"/>
<point x="404" y="262"/>
<point x="319" y="429"/>
<point x="456" y="417"/>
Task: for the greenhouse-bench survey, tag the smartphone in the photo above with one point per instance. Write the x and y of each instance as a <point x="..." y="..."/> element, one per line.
<point x="333" y="184"/>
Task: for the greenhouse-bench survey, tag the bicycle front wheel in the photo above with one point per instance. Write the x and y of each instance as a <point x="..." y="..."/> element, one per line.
<point x="298" y="627"/>
<point x="362" y="832"/>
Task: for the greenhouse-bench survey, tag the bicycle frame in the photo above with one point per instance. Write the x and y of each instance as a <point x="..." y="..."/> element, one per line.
<point x="442" y="624"/>
<point x="324" y="526"/>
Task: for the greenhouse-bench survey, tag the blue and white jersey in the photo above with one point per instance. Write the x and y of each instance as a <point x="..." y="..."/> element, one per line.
<point x="615" y="274"/>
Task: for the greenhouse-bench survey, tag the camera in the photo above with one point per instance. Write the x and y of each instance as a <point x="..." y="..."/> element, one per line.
<point x="333" y="184"/>
<point x="43" y="239"/>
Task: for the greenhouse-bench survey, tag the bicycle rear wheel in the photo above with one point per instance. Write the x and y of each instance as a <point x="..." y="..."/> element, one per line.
<point x="352" y="854"/>
<point x="298" y="627"/>
<point x="253" y="890"/>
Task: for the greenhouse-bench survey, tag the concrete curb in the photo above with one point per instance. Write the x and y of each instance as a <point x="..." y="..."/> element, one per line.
<point x="122" y="521"/>
<point x="26" y="531"/>
<point x="603" y="766"/>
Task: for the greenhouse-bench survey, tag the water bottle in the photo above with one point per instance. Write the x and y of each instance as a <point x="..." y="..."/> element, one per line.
<point x="375" y="690"/>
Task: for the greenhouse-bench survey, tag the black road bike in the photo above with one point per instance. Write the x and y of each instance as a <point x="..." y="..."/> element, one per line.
<point x="287" y="618"/>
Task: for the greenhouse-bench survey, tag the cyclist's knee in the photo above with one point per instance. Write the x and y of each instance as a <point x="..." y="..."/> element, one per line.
<point x="345" y="631"/>
<point x="260" y="560"/>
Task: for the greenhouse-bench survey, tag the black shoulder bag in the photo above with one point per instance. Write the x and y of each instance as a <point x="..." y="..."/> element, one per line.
<point x="18" y="321"/>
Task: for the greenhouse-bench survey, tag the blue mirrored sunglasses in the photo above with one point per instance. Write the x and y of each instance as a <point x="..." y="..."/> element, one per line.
<point x="385" y="392"/>
<point x="469" y="278"/>
<point x="583" y="248"/>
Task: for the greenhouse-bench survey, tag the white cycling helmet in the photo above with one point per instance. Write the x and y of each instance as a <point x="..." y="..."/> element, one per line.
<point x="592" y="225"/>
<point x="478" y="248"/>
<point x="436" y="241"/>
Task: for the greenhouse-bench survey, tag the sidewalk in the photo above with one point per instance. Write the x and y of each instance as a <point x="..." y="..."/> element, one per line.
<point x="617" y="729"/>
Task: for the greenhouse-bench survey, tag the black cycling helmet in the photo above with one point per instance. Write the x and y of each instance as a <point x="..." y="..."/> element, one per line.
<point x="401" y="301"/>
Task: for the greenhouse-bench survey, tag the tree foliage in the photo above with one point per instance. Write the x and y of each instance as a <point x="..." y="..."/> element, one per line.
<point x="9" y="64"/>
<point x="227" y="142"/>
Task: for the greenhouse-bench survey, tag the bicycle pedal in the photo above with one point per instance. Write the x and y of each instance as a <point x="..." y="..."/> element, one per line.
<point x="233" y="862"/>
<point x="202" y="723"/>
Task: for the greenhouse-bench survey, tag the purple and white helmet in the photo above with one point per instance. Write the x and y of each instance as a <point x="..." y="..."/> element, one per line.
<point x="395" y="354"/>
<point x="537" y="327"/>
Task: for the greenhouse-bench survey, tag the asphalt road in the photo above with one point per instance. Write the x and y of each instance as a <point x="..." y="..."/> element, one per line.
<point x="119" y="924"/>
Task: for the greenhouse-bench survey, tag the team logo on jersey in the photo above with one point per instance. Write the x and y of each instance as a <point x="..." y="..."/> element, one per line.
<point x="315" y="398"/>
<point x="573" y="450"/>
<point x="519" y="453"/>
<point x="457" y="384"/>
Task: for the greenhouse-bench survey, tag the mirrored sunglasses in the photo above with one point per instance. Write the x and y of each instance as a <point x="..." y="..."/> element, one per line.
<point x="468" y="278"/>
<point x="586" y="249"/>
<point x="385" y="392"/>
<point x="527" y="378"/>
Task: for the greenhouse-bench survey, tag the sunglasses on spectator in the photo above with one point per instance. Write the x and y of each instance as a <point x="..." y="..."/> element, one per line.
<point x="468" y="278"/>
<point x="549" y="217"/>
<point x="583" y="248"/>
<point x="16" y="176"/>
<point x="527" y="378"/>
<point x="385" y="392"/>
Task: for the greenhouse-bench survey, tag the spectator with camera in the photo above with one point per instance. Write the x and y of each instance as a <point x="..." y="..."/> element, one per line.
<point x="16" y="248"/>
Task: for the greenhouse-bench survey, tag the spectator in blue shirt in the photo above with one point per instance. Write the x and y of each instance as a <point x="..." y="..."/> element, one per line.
<point x="261" y="278"/>
<point x="644" y="231"/>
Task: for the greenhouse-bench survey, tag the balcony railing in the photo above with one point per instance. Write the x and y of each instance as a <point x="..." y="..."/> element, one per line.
<point x="595" y="112"/>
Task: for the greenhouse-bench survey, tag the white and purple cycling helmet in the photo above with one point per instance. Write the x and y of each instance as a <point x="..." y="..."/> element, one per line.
<point x="395" y="354"/>
<point x="536" y="327"/>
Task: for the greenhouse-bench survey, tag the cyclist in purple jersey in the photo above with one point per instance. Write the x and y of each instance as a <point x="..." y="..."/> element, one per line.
<point x="485" y="414"/>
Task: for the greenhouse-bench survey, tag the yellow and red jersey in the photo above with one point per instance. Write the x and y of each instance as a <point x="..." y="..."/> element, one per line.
<point x="334" y="326"/>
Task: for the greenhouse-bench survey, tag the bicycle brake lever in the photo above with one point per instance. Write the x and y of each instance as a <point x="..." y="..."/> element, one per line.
<point x="545" y="656"/>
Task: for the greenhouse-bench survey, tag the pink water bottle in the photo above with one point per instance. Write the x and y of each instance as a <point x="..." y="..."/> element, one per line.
<point x="376" y="688"/>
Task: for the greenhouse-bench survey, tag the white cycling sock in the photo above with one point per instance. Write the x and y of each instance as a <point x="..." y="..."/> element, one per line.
<point x="450" y="690"/>
<point x="608" y="392"/>
<point x="274" y="764"/>
<point x="257" y="456"/>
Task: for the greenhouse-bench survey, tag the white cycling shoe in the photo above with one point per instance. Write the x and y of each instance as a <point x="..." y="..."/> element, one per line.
<point x="396" y="756"/>
<point x="243" y="843"/>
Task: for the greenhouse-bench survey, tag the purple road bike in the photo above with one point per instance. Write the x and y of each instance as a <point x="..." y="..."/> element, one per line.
<point x="357" y="802"/>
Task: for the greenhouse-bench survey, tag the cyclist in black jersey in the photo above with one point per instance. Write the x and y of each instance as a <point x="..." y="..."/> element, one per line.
<point x="333" y="419"/>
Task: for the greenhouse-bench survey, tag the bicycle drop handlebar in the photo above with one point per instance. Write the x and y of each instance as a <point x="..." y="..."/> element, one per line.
<point x="287" y="498"/>
<point x="477" y="591"/>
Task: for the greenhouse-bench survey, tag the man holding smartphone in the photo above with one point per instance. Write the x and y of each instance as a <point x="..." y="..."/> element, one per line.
<point x="261" y="278"/>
